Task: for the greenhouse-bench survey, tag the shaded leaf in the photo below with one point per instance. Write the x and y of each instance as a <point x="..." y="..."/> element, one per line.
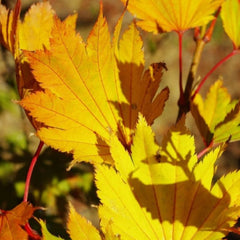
<point x="217" y="117"/>
<point x="139" y="87"/>
<point x="230" y="15"/>
<point x="13" y="221"/>
<point x="172" y="15"/>
<point x="164" y="195"/>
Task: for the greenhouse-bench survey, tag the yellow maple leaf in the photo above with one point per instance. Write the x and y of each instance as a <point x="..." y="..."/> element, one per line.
<point x="217" y="117"/>
<point x="166" y="194"/>
<point x="90" y="91"/>
<point x="230" y="15"/>
<point x="32" y="33"/>
<point x="172" y="15"/>
<point x="46" y="235"/>
<point x="80" y="228"/>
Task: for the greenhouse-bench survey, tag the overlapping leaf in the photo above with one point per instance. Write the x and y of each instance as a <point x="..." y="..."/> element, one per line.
<point x="31" y="34"/>
<point x="172" y="15"/>
<point x="13" y="221"/>
<point x="85" y="99"/>
<point x="217" y="117"/>
<point x="230" y="14"/>
<point x="162" y="195"/>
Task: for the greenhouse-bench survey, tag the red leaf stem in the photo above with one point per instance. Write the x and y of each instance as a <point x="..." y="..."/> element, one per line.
<point x="30" y="170"/>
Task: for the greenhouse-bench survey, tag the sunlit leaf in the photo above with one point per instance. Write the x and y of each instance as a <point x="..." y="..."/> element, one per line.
<point x="80" y="228"/>
<point x="31" y="34"/>
<point x="35" y="30"/>
<point x="13" y="221"/>
<point x="90" y="94"/>
<point x="166" y="191"/>
<point x="217" y="117"/>
<point x="80" y="81"/>
<point x="230" y="14"/>
<point x="172" y="15"/>
<point x="46" y="235"/>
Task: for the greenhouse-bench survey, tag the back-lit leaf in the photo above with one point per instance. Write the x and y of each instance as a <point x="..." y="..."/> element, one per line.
<point x="13" y="221"/>
<point x="172" y="15"/>
<point x="32" y="33"/>
<point x="217" y="117"/>
<point x="167" y="195"/>
<point x="230" y="14"/>
<point x="80" y="228"/>
<point x="46" y="235"/>
<point x="92" y="90"/>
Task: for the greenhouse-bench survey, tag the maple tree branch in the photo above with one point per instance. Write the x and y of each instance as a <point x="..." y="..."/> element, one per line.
<point x="234" y="52"/>
<point x="180" y="36"/>
<point x="30" y="170"/>
<point x="201" y="37"/>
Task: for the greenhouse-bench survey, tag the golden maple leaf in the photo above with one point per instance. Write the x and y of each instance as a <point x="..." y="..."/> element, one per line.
<point x="93" y="89"/>
<point x="172" y="15"/>
<point x="32" y="33"/>
<point x="217" y="117"/>
<point x="169" y="196"/>
<point x="230" y="15"/>
<point x="160" y="192"/>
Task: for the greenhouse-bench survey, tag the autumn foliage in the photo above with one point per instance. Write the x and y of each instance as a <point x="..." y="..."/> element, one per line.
<point x="98" y="100"/>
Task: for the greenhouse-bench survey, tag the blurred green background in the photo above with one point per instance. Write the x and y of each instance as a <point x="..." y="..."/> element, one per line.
<point x="52" y="186"/>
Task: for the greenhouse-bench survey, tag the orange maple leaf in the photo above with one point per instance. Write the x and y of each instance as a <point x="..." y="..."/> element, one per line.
<point x="31" y="34"/>
<point x="92" y="90"/>
<point x="12" y="222"/>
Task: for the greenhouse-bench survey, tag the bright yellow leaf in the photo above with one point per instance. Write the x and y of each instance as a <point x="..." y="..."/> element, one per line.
<point x="93" y="90"/>
<point x="81" y="83"/>
<point x="217" y="117"/>
<point x="172" y="15"/>
<point x="35" y="30"/>
<point x="80" y="228"/>
<point x="46" y="235"/>
<point x="167" y="195"/>
<point x="31" y="34"/>
<point x="121" y="209"/>
<point x="230" y="14"/>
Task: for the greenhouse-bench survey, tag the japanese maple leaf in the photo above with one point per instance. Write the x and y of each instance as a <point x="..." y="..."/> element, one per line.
<point x="12" y="222"/>
<point x="85" y="97"/>
<point x="217" y="117"/>
<point x="32" y="33"/>
<point x="230" y="15"/>
<point x="172" y="15"/>
<point x="160" y="192"/>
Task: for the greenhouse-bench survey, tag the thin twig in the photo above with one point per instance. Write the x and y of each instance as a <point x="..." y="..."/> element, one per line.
<point x="30" y="170"/>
